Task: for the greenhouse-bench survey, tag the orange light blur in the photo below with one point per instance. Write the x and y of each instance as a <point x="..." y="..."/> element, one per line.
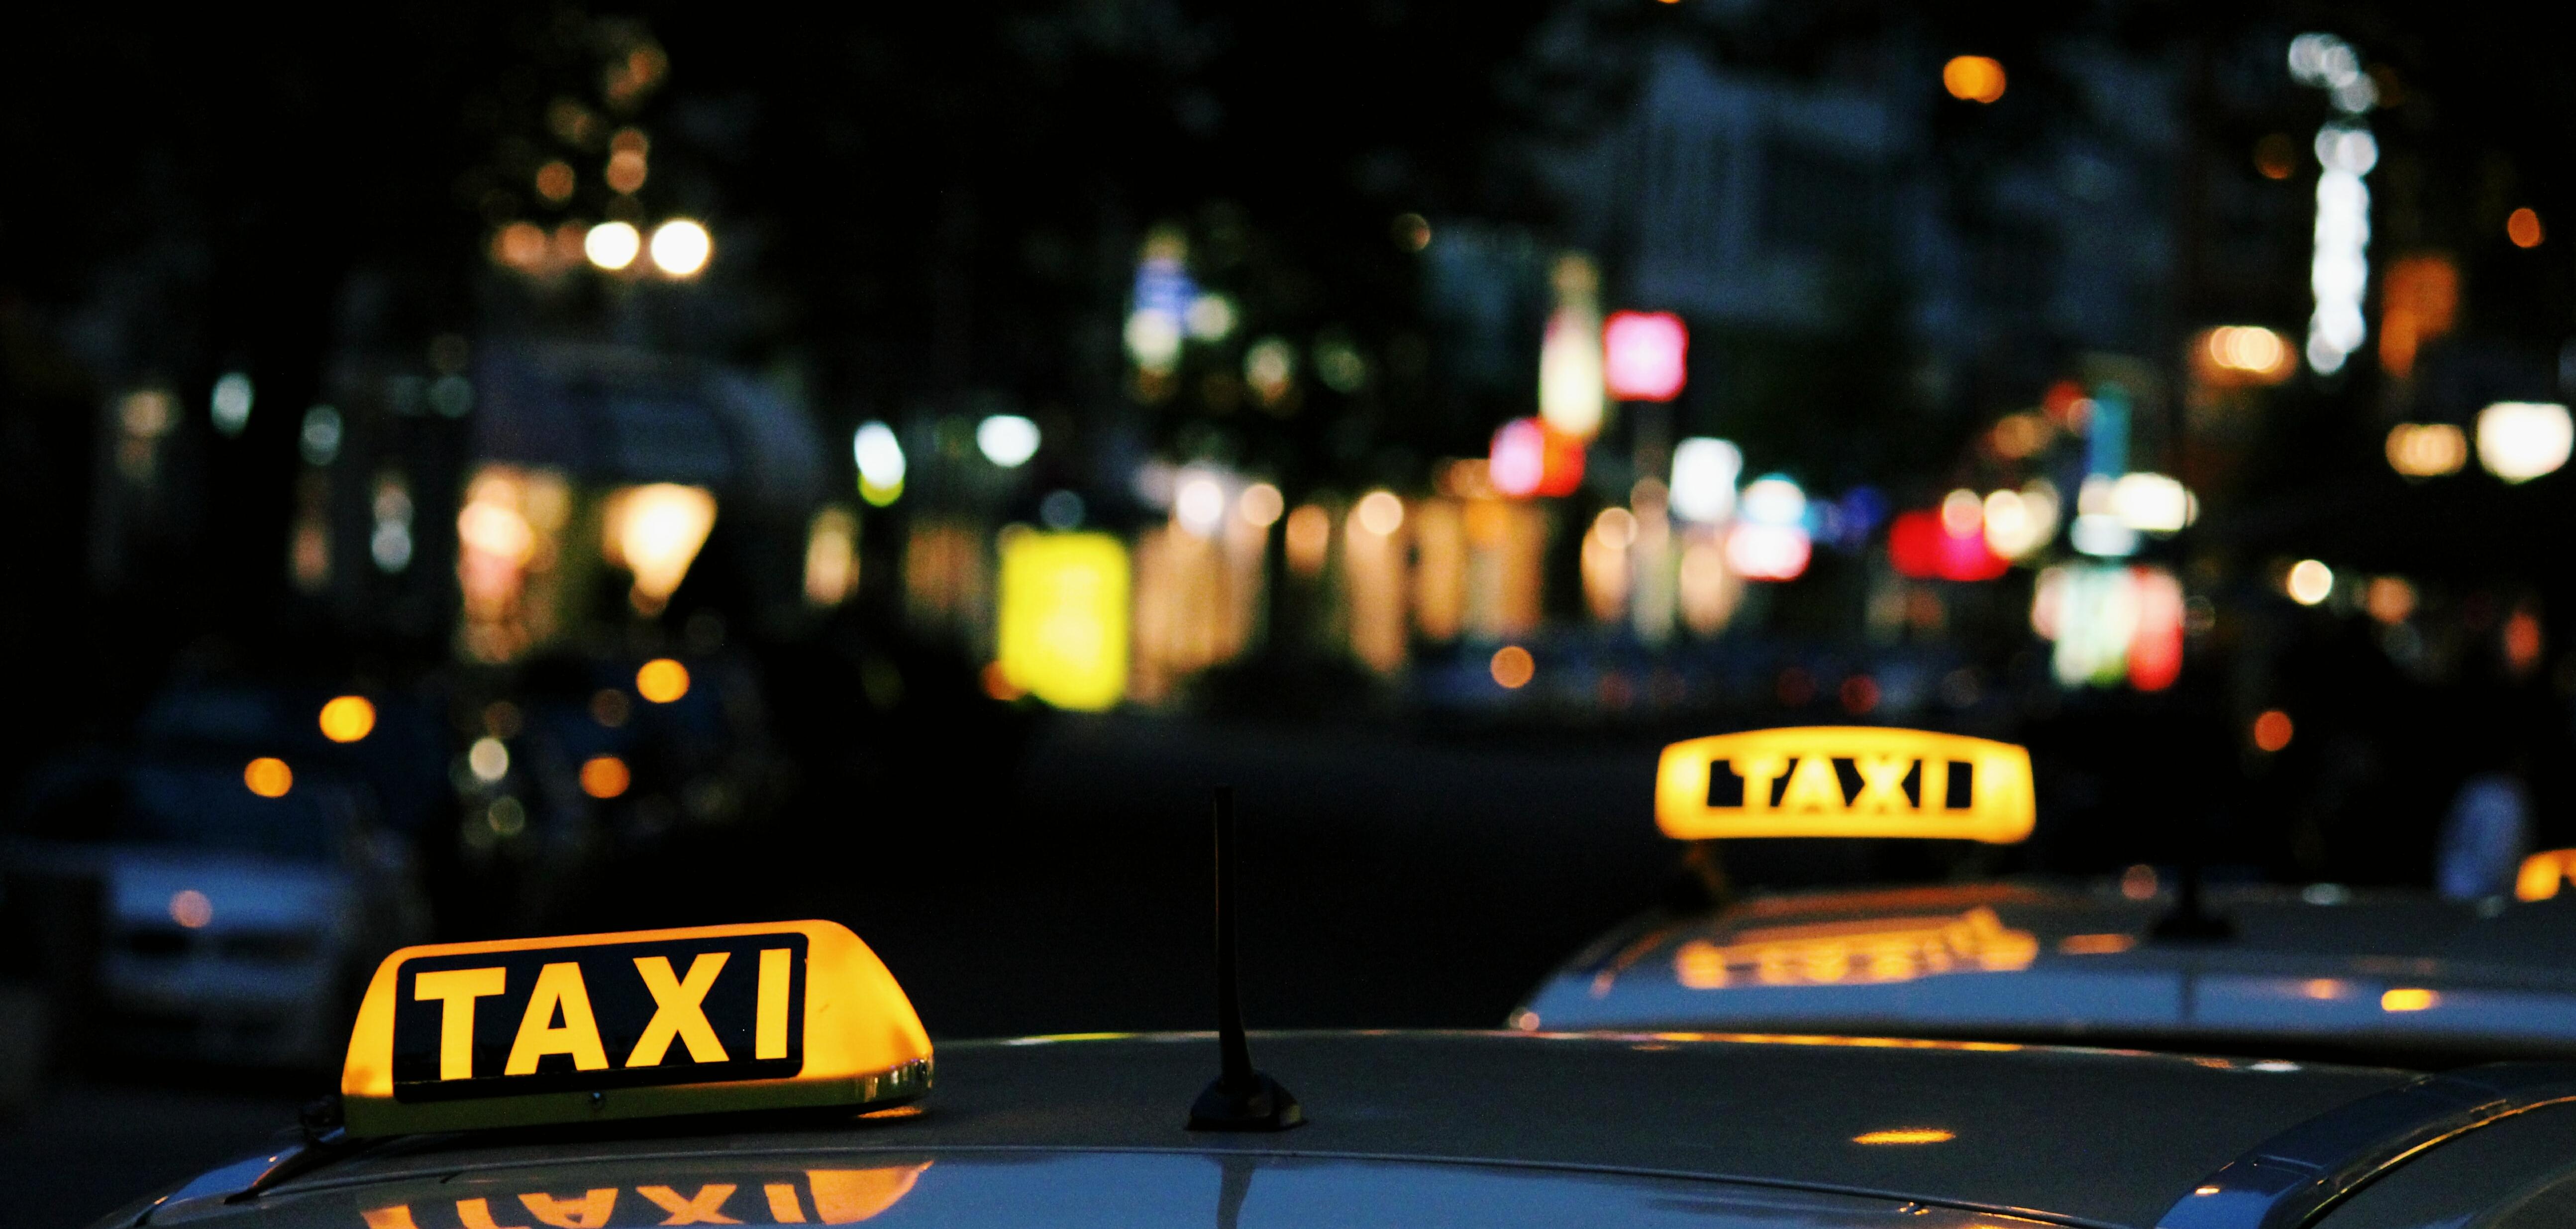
<point x="1973" y="78"/>
<point x="190" y="908"/>
<point x="268" y="777"/>
<point x="2276" y="156"/>
<point x="2096" y="945"/>
<point x="2523" y="227"/>
<point x="1907" y="1135"/>
<point x="2419" y="300"/>
<point x="2272" y="730"/>
<point x="2408" y="999"/>
<point x="1513" y="667"/>
<point x="662" y="680"/>
<point x="346" y="719"/>
<point x="2139" y="882"/>
<point x="1872" y="952"/>
<point x="2522" y="641"/>
<point x="521" y="245"/>
<point x="2322" y="988"/>
<point x="604" y="776"/>
<point x="998" y="684"/>
<point x="2427" y="449"/>
<point x="2544" y="873"/>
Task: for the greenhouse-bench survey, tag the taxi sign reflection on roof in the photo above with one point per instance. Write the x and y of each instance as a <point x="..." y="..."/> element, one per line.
<point x="1844" y="781"/>
<point x="712" y="1019"/>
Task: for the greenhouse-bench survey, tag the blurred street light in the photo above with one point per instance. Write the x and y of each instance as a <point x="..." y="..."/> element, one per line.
<point x="881" y="465"/>
<point x="2427" y="449"/>
<point x="681" y="247"/>
<point x="1704" y="475"/>
<point x="2309" y="582"/>
<point x="2522" y="440"/>
<point x="1007" y="440"/>
<point x="612" y="245"/>
<point x="1644" y="355"/>
<point x="346" y="719"/>
<point x="655" y="532"/>
<point x="1571" y="392"/>
<point x="231" y="403"/>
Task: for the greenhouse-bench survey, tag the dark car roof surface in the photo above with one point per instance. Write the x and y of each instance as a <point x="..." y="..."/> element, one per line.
<point x="2064" y="962"/>
<point x="2095" y="1136"/>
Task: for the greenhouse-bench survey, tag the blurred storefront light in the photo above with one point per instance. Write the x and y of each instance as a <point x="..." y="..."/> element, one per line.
<point x="1260" y="505"/>
<point x="654" y="532"/>
<point x="1308" y="539"/>
<point x="508" y="538"/>
<point x="2308" y="582"/>
<point x="1948" y="544"/>
<point x="390" y="545"/>
<point x="1571" y="392"/>
<point x="681" y="247"/>
<point x="2419" y="300"/>
<point x="319" y="440"/>
<point x="2019" y="523"/>
<point x="831" y="557"/>
<point x="2245" y="354"/>
<point x="1705" y="472"/>
<point x="605" y="776"/>
<point x="2522" y="440"/>
<point x="1512" y="667"/>
<point x="1198" y="504"/>
<point x="2111" y="624"/>
<point x="612" y="245"/>
<point x="230" y="404"/>
<point x="1773" y="499"/>
<point x="347" y="719"/>
<point x="1973" y="78"/>
<point x="1270" y="370"/>
<point x="1532" y="459"/>
<point x="2272" y="730"/>
<point x="881" y="464"/>
<point x="2339" y="269"/>
<point x="2153" y="503"/>
<point x="2427" y="449"/>
<point x="1644" y="355"/>
<point x="1211" y="317"/>
<point x="1007" y="440"/>
<point x="1063" y="631"/>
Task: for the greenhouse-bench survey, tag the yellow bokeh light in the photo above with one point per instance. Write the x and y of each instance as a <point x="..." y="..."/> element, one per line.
<point x="662" y="680"/>
<point x="2544" y="873"/>
<point x="2408" y="999"/>
<point x="1907" y="1135"/>
<point x="1973" y="78"/>
<point x="346" y="719"/>
<point x="2309" y="582"/>
<point x="2427" y="449"/>
<point x="604" y="776"/>
<point x="268" y="777"/>
<point x="1063" y="629"/>
<point x="1513" y="667"/>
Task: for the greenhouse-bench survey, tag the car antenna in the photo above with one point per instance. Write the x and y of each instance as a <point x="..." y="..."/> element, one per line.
<point x="1241" y="1099"/>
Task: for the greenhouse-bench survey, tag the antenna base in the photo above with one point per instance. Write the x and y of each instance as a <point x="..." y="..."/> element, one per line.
<point x="1258" y="1104"/>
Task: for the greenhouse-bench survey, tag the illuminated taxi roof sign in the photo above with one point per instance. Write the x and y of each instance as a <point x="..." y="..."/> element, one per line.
<point x="518" y="1032"/>
<point x="1844" y="781"/>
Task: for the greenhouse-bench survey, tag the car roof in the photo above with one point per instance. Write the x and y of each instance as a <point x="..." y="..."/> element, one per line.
<point x="2092" y="1136"/>
<point x="2300" y="972"/>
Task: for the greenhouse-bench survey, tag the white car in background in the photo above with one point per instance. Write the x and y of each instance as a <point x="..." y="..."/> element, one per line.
<point x="227" y="926"/>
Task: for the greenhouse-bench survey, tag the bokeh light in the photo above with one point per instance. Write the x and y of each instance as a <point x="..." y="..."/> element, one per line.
<point x="681" y="247"/>
<point x="1973" y="78"/>
<point x="1512" y="667"/>
<point x="604" y="776"/>
<point x="2309" y="582"/>
<point x="268" y="777"/>
<point x="346" y="719"/>
<point x="662" y="680"/>
<point x="2272" y="730"/>
<point x="612" y="245"/>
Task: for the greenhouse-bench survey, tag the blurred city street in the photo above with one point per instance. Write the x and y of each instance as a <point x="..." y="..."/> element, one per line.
<point x="477" y="472"/>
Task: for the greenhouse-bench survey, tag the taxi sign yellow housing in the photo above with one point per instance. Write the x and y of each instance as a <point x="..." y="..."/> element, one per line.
<point x="1844" y="781"/>
<point x="518" y="1032"/>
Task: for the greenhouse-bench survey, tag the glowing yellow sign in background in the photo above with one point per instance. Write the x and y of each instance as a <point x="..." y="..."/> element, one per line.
<point x="863" y="1044"/>
<point x="1063" y="627"/>
<point x="1794" y="785"/>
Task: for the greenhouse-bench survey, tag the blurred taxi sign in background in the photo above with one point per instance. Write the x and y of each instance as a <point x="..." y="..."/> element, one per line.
<point x="1844" y="781"/>
<point x="645" y="1024"/>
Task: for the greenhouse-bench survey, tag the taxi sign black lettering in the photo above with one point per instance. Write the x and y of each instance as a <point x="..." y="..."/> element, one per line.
<point x="618" y="1015"/>
<point x="1849" y="781"/>
<point x="704" y="1020"/>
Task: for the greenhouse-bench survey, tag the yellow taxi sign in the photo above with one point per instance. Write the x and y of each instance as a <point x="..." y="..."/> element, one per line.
<point x="583" y="1028"/>
<point x="1844" y="781"/>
